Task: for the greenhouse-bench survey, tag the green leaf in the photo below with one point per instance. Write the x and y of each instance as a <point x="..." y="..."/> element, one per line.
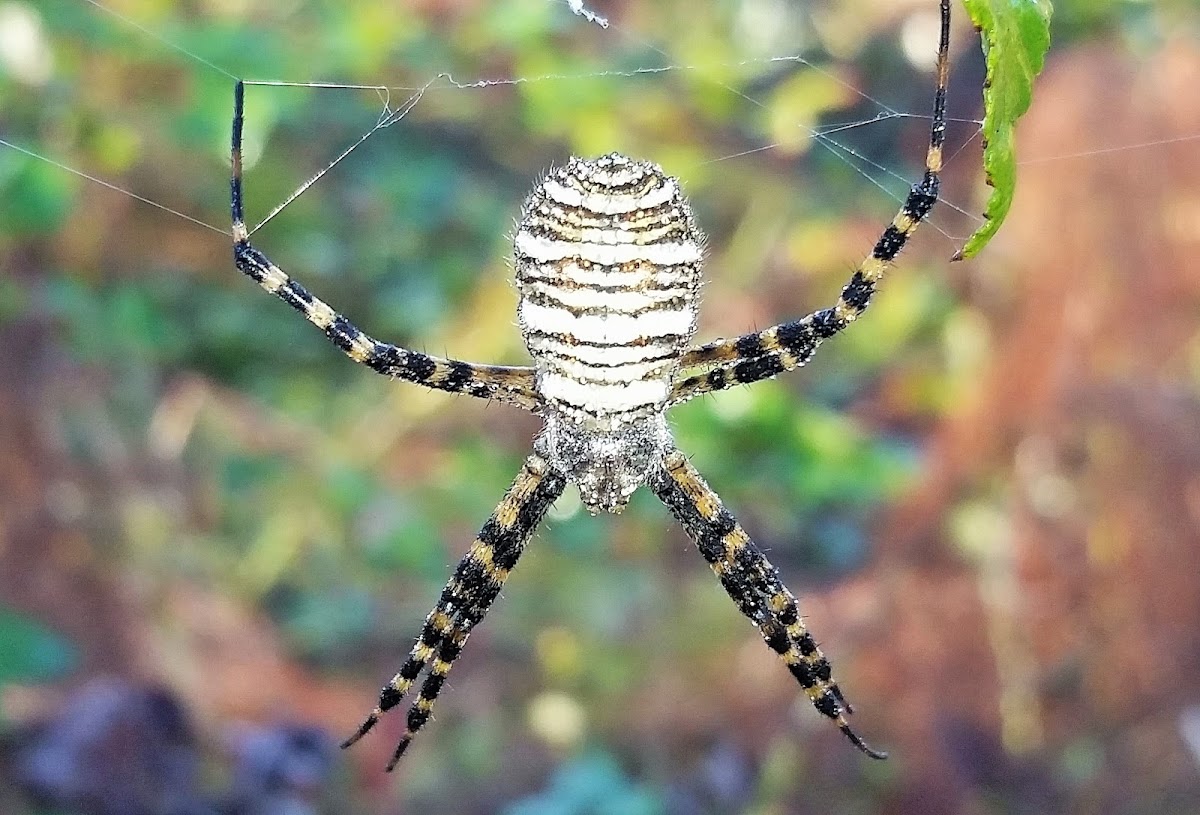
<point x="1016" y="36"/>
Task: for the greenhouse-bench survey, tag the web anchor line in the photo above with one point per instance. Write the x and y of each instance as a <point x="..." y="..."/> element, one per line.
<point x="447" y="81"/>
<point x="387" y="118"/>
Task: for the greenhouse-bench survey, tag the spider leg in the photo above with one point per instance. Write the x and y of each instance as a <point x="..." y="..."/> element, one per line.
<point x="514" y="385"/>
<point x="753" y="584"/>
<point x="785" y="347"/>
<point x="467" y="597"/>
<point x="438" y="625"/>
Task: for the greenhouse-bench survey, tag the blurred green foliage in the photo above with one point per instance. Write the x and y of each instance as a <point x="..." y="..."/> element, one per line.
<point x="325" y="522"/>
<point x="342" y="528"/>
<point x="589" y="785"/>
<point x="247" y="457"/>
<point x="31" y="652"/>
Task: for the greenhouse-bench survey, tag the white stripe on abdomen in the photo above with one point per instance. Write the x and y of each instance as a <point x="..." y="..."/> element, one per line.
<point x="543" y="249"/>
<point x="598" y="399"/>
<point x="607" y="329"/>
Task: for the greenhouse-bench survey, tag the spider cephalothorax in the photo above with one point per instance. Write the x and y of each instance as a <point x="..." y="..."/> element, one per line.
<point x="607" y="259"/>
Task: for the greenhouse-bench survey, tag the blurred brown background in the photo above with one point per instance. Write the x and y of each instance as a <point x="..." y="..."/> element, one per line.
<point x="217" y="536"/>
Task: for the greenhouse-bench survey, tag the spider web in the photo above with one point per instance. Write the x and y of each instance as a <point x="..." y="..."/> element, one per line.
<point x="396" y="102"/>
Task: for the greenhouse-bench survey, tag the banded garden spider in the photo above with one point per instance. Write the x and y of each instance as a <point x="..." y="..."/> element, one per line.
<point x="608" y="271"/>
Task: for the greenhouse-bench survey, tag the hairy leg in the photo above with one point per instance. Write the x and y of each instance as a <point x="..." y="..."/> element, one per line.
<point x="753" y="584"/>
<point x="514" y="385"/>
<point x="785" y="347"/>
<point x="467" y="597"/>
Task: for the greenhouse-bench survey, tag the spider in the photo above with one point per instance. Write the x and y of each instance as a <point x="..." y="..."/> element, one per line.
<point x="608" y="258"/>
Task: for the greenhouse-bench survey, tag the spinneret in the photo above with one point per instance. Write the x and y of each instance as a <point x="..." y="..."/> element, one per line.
<point x="608" y="269"/>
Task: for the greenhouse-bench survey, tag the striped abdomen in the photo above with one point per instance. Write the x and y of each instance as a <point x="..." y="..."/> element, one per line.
<point x="608" y="264"/>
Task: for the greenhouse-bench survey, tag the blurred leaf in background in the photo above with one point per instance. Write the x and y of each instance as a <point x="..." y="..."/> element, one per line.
<point x="196" y="488"/>
<point x="589" y="785"/>
<point x="31" y="652"/>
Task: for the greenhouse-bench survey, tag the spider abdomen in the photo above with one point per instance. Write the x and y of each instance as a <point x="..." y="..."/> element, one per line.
<point x="608" y="265"/>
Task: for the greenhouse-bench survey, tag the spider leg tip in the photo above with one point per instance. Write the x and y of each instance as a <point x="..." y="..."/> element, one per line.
<point x="362" y="730"/>
<point x="856" y="740"/>
<point x="399" y="753"/>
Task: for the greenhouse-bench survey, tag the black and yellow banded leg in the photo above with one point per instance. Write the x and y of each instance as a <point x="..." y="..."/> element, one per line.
<point x="421" y="709"/>
<point x="753" y="584"/>
<point x="437" y="627"/>
<point x="468" y="595"/>
<point x="515" y="385"/>
<point x="785" y="347"/>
